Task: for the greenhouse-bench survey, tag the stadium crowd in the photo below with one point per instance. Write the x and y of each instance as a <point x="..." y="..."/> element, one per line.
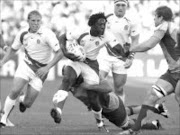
<point x="61" y="16"/>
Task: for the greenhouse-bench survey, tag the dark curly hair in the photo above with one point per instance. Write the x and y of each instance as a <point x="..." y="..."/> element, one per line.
<point x="94" y="18"/>
<point x="165" y="12"/>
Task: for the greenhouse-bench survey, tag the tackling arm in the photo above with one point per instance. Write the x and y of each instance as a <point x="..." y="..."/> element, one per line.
<point x="103" y="87"/>
<point x="146" y="45"/>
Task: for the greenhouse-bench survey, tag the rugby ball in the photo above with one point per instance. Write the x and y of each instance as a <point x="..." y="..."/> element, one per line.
<point x="74" y="48"/>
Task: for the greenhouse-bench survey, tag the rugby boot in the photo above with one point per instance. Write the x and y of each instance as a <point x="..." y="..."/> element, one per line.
<point x="55" y="114"/>
<point x="162" y="110"/>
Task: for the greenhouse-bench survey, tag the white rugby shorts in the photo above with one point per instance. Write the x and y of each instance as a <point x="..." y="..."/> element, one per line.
<point x="111" y="63"/>
<point x="25" y="72"/>
<point x="88" y="74"/>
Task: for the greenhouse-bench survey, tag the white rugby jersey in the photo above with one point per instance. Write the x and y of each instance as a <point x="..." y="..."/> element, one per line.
<point x="122" y="28"/>
<point x="92" y="45"/>
<point x="39" y="45"/>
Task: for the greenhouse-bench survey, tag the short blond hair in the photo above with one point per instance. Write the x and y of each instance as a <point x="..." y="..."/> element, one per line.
<point x="34" y="12"/>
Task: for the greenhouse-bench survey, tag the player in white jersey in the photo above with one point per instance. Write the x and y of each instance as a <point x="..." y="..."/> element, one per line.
<point x="38" y="44"/>
<point x="92" y="42"/>
<point x="115" y="57"/>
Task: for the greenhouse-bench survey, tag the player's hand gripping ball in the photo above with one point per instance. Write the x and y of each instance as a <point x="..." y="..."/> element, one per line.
<point x="77" y="50"/>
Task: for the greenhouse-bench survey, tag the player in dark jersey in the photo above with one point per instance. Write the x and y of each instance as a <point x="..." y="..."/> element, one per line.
<point x="166" y="35"/>
<point x="113" y="107"/>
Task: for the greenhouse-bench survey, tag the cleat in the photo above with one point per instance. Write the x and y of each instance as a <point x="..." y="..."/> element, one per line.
<point x="157" y="124"/>
<point x="99" y="123"/>
<point x="2" y="125"/>
<point x="162" y="110"/>
<point x="101" y="126"/>
<point x="55" y="115"/>
<point x="7" y="124"/>
<point x="22" y="107"/>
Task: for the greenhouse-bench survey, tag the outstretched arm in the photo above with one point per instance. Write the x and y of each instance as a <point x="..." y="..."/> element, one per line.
<point x="10" y="52"/>
<point x="146" y="45"/>
<point x="103" y="87"/>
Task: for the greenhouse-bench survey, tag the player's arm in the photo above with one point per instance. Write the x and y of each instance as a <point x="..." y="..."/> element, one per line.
<point x="146" y="45"/>
<point x="103" y="87"/>
<point x="150" y="43"/>
<point x="10" y="52"/>
<point x="3" y="46"/>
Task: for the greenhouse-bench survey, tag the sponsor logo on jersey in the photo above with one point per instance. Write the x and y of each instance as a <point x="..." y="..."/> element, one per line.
<point x="97" y="43"/>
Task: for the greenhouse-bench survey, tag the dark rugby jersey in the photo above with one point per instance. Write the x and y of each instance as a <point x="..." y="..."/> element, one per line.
<point x="169" y="45"/>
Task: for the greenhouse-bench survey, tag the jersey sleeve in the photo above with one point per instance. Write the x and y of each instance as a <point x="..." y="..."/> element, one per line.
<point x="73" y="35"/>
<point x="135" y="30"/>
<point x="52" y="40"/>
<point x="161" y="28"/>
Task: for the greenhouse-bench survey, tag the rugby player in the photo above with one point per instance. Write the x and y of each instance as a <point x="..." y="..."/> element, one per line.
<point x="38" y="43"/>
<point x="113" y="107"/>
<point x="166" y="35"/>
<point x="115" y="58"/>
<point x="92" y="42"/>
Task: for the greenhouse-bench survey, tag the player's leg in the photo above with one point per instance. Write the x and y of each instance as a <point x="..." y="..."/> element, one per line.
<point x="26" y="100"/>
<point x="135" y="109"/>
<point x="104" y="66"/>
<point x="119" y="77"/>
<point x="119" y="82"/>
<point x="59" y="98"/>
<point x="177" y="92"/>
<point x="158" y="91"/>
<point x="18" y="85"/>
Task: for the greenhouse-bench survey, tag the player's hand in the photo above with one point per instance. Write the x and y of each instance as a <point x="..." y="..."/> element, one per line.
<point x="128" y="63"/>
<point x="41" y="72"/>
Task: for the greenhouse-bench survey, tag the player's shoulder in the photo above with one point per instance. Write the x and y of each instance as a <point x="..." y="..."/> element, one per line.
<point x="83" y="36"/>
<point x="162" y="27"/>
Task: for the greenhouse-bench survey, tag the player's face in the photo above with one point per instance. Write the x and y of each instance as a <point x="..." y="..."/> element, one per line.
<point x="120" y="9"/>
<point x="100" y="26"/>
<point x="34" y="23"/>
<point x="157" y="20"/>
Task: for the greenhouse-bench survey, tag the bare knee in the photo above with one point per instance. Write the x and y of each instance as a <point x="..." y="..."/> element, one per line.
<point x="154" y="95"/>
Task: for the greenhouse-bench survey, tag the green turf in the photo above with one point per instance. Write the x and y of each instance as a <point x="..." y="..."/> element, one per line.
<point x="76" y="119"/>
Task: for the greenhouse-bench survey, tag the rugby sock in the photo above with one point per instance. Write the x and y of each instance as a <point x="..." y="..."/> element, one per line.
<point x="98" y="115"/>
<point x="142" y="115"/>
<point x="8" y="106"/>
<point x="122" y="97"/>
